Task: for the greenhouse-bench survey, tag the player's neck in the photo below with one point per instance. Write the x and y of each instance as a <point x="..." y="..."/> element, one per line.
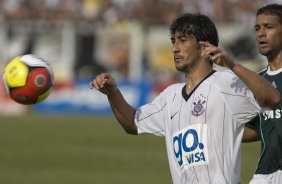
<point x="275" y="63"/>
<point x="193" y="78"/>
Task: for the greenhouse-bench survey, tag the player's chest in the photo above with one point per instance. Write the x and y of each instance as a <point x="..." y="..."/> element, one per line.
<point x="276" y="81"/>
<point x="184" y="113"/>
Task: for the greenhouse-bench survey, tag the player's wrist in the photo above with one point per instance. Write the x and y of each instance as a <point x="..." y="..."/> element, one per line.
<point x="230" y="64"/>
<point x="113" y="92"/>
<point x="234" y="66"/>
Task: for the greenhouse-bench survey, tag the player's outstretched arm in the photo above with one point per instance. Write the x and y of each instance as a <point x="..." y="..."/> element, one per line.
<point x="265" y="93"/>
<point x="123" y="112"/>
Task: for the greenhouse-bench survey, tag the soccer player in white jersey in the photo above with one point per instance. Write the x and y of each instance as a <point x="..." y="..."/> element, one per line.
<point x="203" y="118"/>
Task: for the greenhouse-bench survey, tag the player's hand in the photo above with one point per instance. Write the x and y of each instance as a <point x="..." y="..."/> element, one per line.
<point x="216" y="55"/>
<point x="104" y="83"/>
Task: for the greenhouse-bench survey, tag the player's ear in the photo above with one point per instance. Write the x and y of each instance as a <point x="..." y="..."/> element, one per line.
<point x="199" y="46"/>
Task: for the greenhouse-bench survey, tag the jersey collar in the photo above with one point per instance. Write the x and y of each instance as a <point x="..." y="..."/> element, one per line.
<point x="186" y="96"/>
<point x="273" y="72"/>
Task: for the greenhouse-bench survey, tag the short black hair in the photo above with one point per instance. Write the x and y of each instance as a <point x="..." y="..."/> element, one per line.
<point x="198" y="25"/>
<point x="271" y="9"/>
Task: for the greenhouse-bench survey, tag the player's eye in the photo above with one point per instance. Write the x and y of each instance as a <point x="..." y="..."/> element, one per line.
<point x="269" y="26"/>
<point x="257" y="28"/>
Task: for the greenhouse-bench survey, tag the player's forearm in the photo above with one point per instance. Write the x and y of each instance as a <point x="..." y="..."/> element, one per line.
<point x="265" y="93"/>
<point x="250" y="135"/>
<point x="123" y="112"/>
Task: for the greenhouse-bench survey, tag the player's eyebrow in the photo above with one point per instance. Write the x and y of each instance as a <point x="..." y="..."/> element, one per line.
<point x="180" y="36"/>
<point x="265" y="24"/>
<point x="183" y="36"/>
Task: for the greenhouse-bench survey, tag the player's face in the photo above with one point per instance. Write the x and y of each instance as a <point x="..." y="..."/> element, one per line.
<point x="268" y="34"/>
<point x="186" y="51"/>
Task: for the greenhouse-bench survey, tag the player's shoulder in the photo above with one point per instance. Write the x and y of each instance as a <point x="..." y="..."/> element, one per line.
<point x="224" y="74"/>
<point x="263" y="71"/>
<point x="227" y="81"/>
<point x="172" y="89"/>
<point x="169" y="92"/>
<point x="223" y="77"/>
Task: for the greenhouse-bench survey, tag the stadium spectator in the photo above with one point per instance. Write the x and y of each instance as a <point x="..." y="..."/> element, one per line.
<point x="202" y="119"/>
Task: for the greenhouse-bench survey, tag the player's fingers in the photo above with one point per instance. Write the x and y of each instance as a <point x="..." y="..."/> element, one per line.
<point x="206" y="56"/>
<point x="213" y="51"/>
<point x="205" y="44"/>
<point x="93" y="84"/>
<point x="207" y="48"/>
<point x="218" y="59"/>
<point x="107" y="75"/>
<point x="216" y="56"/>
<point x="100" y="81"/>
<point x="108" y="79"/>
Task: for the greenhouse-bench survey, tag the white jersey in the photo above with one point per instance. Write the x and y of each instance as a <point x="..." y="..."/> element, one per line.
<point x="203" y="130"/>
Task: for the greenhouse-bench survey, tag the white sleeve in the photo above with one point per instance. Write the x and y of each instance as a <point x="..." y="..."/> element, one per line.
<point x="239" y="99"/>
<point x="150" y="118"/>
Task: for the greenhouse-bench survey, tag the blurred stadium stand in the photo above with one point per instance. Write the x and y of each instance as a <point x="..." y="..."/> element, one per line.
<point x="128" y="38"/>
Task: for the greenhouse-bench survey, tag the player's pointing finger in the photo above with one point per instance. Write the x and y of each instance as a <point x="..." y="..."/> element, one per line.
<point x="100" y="80"/>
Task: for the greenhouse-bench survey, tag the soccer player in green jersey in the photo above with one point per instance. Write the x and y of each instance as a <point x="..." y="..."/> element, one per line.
<point x="268" y="126"/>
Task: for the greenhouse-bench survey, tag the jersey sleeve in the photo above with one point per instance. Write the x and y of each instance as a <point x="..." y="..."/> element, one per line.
<point x="238" y="98"/>
<point x="150" y="118"/>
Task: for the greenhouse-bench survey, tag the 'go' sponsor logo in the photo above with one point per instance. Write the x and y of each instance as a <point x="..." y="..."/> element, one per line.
<point x="190" y="146"/>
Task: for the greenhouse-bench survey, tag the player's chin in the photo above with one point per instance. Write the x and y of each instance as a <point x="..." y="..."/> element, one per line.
<point x="180" y="68"/>
<point x="264" y="51"/>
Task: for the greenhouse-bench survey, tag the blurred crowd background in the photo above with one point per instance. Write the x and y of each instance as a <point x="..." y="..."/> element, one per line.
<point x="147" y="12"/>
<point x="129" y="38"/>
<point x="89" y="16"/>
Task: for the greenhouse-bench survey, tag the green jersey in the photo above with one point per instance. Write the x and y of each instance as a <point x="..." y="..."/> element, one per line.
<point x="269" y="126"/>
